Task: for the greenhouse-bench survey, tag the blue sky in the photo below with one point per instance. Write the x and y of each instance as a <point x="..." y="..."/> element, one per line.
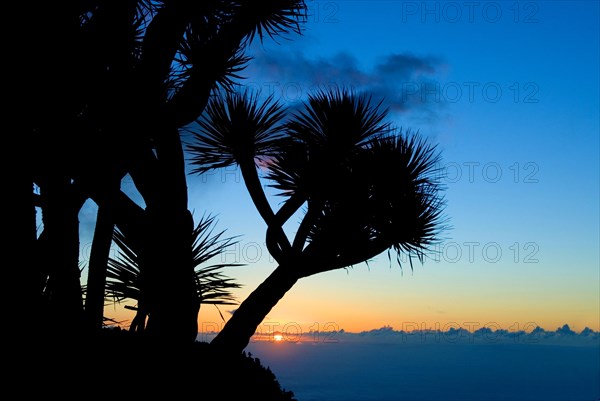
<point x="509" y="91"/>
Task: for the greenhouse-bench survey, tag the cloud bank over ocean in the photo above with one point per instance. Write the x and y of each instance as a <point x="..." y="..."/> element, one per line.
<point x="491" y="333"/>
<point x="413" y="332"/>
<point x="429" y="365"/>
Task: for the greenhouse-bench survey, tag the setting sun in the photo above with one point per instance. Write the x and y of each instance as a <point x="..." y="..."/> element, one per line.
<point x="278" y="337"/>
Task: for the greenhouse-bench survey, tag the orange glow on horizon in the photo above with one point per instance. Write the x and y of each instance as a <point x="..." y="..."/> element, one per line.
<point x="303" y="312"/>
<point x="468" y="318"/>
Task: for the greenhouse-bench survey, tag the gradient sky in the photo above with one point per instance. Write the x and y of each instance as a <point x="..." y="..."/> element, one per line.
<point x="510" y="93"/>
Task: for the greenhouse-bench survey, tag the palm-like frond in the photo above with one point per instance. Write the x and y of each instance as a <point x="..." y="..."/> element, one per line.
<point x="125" y="275"/>
<point x="339" y="120"/>
<point x="124" y="279"/>
<point x="225" y="64"/>
<point x="236" y="128"/>
<point x="289" y="169"/>
<point x="323" y="139"/>
<point x="212" y="49"/>
<point x="212" y="285"/>
<point x="392" y="201"/>
<point x="406" y="193"/>
<point x="273" y="17"/>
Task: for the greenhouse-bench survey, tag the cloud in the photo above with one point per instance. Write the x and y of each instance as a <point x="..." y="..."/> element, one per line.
<point x="565" y="330"/>
<point x="453" y="333"/>
<point x="487" y="334"/>
<point x="404" y="65"/>
<point x="450" y="333"/>
<point x="405" y="82"/>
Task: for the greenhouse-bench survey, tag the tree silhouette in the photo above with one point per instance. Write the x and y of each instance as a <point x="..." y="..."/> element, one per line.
<point x="126" y="274"/>
<point x="105" y="91"/>
<point x="131" y="74"/>
<point x="365" y="186"/>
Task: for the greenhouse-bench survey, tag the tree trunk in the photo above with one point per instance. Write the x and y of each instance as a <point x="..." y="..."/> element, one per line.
<point x="172" y="302"/>
<point x="21" y="274"/>
<point x="61" y="228"/>
<point x="238" y="330"/>
<point x="94" y="300"/>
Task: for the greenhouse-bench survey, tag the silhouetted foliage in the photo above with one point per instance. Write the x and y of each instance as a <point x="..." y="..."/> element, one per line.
<point x="106" y="88"/>
<point x="365" y="186"/>
<point x="132" y="75"/>
<point x="126" y="273"/>
<point x="236" y="129"/>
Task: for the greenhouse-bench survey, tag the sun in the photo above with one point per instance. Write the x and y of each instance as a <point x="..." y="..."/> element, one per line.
<point x="277" y="337"/>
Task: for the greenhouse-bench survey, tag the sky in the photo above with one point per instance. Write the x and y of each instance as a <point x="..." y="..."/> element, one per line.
<point x="509" y="92"/>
